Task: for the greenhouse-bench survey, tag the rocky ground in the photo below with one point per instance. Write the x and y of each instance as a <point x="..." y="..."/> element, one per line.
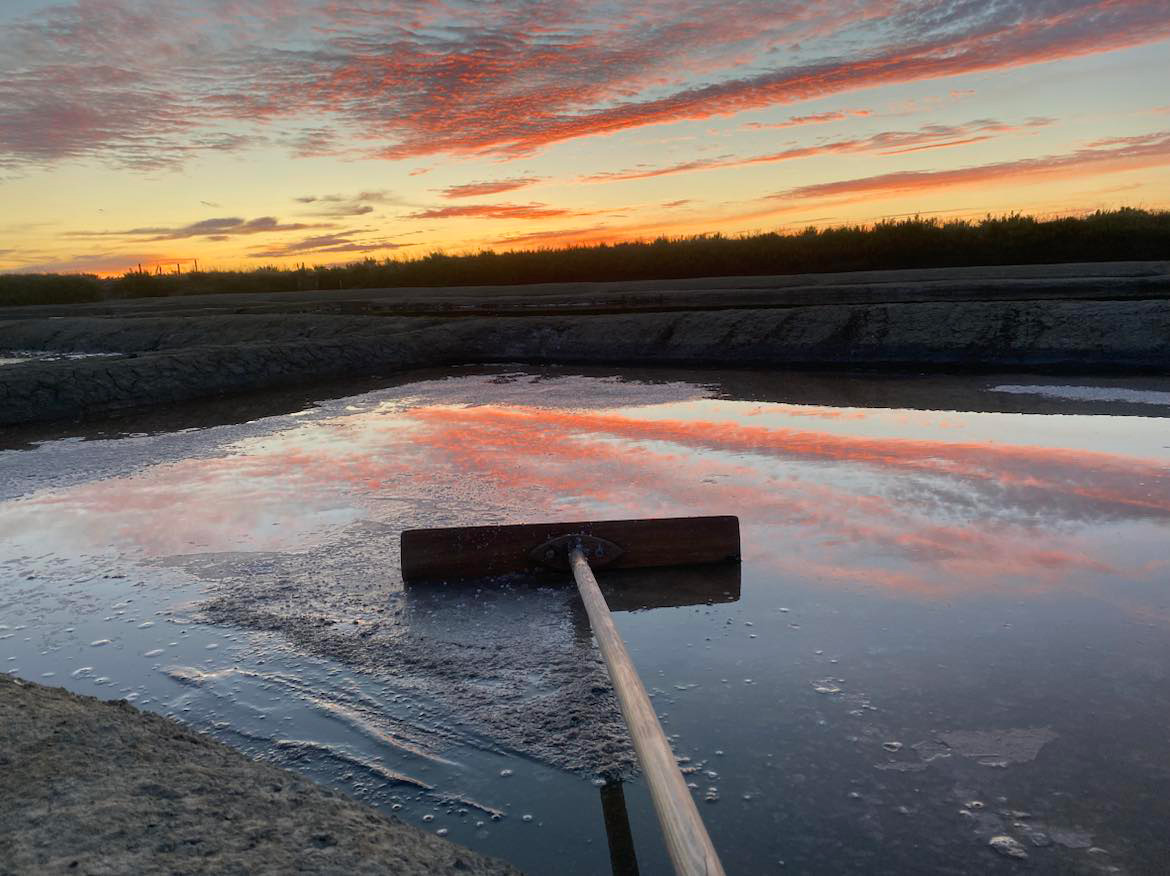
<point x="102" y="788"/>
<point x="1112" y="317"/>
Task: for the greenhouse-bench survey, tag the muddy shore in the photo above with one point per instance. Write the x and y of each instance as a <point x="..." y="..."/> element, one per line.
<point x="101" y="787"/>
<point x="1096" y="318"/>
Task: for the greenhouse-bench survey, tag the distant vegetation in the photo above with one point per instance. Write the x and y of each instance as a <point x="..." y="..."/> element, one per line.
<point x="1118" y="235"/>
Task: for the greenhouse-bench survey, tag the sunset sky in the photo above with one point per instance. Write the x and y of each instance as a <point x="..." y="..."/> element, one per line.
<point x="251" y="132"/>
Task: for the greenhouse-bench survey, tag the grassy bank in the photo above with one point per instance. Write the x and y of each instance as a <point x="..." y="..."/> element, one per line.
<point x="1118" y="235"/>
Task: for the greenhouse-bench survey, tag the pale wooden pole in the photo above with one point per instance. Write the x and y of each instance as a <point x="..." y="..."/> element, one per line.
<point x="686" y="838"/>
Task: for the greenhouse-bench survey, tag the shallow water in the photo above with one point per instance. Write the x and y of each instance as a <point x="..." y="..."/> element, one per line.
<point x="943" y="618"/>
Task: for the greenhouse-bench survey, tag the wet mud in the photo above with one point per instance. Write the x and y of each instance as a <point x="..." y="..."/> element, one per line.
<point x="101" y="787"/>
<point x="511" y="660"/>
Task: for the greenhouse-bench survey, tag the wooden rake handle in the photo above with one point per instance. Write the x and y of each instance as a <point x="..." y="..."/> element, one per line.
<point x="686" y="838"/>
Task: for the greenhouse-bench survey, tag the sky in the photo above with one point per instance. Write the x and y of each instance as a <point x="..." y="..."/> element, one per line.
<point x="244" y="133"/>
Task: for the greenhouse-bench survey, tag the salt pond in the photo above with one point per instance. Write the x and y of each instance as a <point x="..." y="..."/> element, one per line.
<point x="948" y="626"/>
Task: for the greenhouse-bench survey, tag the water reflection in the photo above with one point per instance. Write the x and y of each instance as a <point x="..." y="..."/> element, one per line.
<point x="911" y="574"/>
<point x="884" y="499"/>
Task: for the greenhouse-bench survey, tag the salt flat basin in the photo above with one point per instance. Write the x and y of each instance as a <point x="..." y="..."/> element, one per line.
<point x="949" y="625"/>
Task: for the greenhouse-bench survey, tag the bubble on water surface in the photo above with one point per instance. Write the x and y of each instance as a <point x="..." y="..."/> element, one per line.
<point x="1008" y="847"/>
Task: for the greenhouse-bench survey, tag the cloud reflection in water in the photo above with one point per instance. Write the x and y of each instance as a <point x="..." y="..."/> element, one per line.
<point x="890" y="500"/>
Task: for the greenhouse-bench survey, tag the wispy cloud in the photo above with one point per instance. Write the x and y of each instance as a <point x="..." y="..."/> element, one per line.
<point x="495" y="211"/>
<point x="340" y="242"/>
<point x="560" y="236"/>
<point x="128" y="81"/>
<point x="493" y="187"/>
<point x="1115" y="154"/>
<point x="212" y="229"/>
<point x="813" y="119"/>
<point x="341" y="206"/>
<point x="886" y="143"/>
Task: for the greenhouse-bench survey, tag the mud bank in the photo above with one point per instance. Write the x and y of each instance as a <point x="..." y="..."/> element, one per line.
<point x="100" y="787"/>
<point x="1105" y="324"/>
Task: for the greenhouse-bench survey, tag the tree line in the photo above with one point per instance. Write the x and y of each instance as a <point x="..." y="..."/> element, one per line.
<point x="1115" y="235"/>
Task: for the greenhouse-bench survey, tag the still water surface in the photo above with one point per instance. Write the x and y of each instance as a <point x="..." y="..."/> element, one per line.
<point x="952" y="620"/>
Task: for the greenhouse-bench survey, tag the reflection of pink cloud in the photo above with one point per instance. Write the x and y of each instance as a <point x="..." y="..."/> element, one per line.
<point x="565" y="457"/>
<point x="808" y="511"/>
<point x="1099" y="477"/>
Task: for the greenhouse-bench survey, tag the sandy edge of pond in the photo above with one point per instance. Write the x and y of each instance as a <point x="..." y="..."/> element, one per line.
<point x="1090" y="318"/>
<point x="100" y="787"/>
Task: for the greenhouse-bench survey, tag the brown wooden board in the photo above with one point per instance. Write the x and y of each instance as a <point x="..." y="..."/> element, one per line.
<point x="473" y="552"/>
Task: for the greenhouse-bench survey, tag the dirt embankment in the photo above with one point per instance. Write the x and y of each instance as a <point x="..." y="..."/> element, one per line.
<point x="102" y="788"/>
<point x="1114" y="318"/>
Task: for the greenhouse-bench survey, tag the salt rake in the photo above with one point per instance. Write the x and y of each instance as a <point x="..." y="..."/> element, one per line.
<point x="460" y="554"/>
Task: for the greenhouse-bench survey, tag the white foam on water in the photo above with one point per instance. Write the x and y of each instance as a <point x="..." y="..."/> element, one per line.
<point x="1088" y="393"/>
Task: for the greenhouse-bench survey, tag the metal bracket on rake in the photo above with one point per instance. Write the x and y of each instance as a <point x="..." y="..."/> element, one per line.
<point x="555" y="553"/>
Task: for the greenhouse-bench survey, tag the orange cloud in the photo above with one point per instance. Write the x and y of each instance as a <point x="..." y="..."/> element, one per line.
<point x="479" y="189"/>
<point x="1129" y="153"/>
<point x="495" y="211"/>
<point x="813" y="119"/>
<point x="886" y="143"/>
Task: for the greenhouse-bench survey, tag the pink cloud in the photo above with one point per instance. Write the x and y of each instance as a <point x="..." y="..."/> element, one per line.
<point x="147" y="84"/>
<point x="886" y="142"/>
<point x="494" y="187"/>
<point x="814" y="119"/>
<point x="1152" y="150"/>
<point x="494" y="211"/>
